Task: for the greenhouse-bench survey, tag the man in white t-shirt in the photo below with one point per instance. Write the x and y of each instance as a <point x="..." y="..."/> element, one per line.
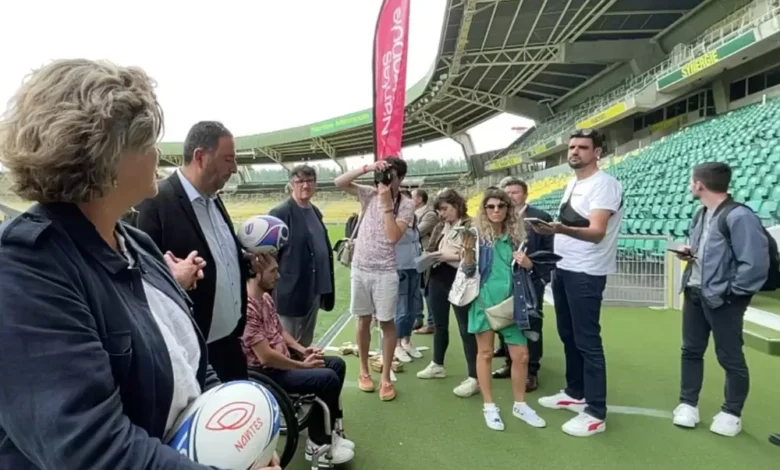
<point x="586" y="239"/>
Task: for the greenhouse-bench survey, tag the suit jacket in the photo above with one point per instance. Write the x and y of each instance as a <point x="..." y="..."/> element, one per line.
<point x="427" y="220"/>
<point x="170" y="221"/>
<point x="295" y="290"/>
<point x="87" y="381"/>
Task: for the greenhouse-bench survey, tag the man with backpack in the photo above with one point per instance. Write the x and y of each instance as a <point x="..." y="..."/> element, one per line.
<point x="730" y="258"/>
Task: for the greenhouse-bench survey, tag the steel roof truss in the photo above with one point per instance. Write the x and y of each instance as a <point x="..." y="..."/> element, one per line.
<point x="434" y="123"/>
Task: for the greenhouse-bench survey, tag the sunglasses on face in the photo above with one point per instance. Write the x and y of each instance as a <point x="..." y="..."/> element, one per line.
<point x="492" y="207"/>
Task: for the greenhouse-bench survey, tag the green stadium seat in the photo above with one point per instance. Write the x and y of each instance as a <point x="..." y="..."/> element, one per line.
<point x="767" y="211"/>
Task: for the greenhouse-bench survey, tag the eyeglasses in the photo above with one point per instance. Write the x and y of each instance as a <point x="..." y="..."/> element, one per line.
<point x="302" y="182"/>
<point x="492" y="207"/>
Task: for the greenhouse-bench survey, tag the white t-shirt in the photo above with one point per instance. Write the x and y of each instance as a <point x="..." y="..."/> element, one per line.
<point x="598" y="191"/>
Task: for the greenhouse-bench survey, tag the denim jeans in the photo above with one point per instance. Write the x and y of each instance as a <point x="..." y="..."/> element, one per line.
<point x="578" y="311"/>
<point x="410" y="302"/>
<point x="724" y="324"/>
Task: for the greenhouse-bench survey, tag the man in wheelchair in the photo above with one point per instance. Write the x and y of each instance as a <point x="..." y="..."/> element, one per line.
<point x="297" y="370"/>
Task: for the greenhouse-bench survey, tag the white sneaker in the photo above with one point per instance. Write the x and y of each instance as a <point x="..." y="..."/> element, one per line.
<point x="402" y="355"/>
<point x="562" y="401"/>
<point x="726" y="424"/>
<point x="411" y="350"/>
<point x="432" y="371"/>
<point x="341" y="441"/>
<point x="527" y="414"/>
<point x="338" y="454"/>
<point x="467" y="388"/>
<point x="685" y="416"/>
<point x="492" y="418"/>
<point x="584" y="425"/>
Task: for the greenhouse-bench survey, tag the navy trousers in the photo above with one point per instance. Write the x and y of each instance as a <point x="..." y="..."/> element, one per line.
<point x="578" y="299"/>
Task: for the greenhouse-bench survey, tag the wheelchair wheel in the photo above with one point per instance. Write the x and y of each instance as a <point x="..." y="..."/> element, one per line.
<point x="289" y="428"/>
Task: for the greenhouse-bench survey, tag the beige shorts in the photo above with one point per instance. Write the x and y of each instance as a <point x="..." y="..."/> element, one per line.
<point x="375" y="294"/>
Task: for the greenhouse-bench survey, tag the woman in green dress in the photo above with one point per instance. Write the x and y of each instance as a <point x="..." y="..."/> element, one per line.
<point x="502" y="232"/>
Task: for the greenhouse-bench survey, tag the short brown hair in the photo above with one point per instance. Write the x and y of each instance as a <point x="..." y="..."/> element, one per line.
<point x="70" y="123"/>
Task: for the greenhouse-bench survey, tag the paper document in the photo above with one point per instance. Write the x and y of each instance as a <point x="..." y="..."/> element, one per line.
<point x="425" y="261"/>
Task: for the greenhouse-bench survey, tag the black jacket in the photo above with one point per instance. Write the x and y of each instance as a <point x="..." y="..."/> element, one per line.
<point x="537" y="242"/>
<point x="295" y="289"/>
<point x="170" y="221"/>
<point x="87" y="382"/>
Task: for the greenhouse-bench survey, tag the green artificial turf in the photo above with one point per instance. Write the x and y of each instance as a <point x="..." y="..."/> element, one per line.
<point x="767" y="301"/>
<point x="427" y="427"/>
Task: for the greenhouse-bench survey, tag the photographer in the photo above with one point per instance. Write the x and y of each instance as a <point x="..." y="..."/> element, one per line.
<point x="386" y="216"/>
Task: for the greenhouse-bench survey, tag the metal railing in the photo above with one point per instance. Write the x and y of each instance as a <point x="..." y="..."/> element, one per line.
<point x="643" y="276"/>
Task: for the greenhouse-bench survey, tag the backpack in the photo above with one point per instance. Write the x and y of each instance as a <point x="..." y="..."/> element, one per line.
<point x="773" y="278"/>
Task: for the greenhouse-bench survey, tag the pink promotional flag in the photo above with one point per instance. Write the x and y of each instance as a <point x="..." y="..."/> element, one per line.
<point x="390" y="51"/>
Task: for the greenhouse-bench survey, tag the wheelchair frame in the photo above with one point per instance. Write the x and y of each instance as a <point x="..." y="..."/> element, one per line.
<point x="296" y="410"/>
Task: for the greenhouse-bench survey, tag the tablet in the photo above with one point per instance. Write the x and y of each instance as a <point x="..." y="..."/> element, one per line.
<point x="536" y="221"/>
<point x="682" y="253"/>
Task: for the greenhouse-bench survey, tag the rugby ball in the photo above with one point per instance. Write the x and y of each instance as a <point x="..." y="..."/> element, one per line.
<point x="232" y="426"/>
<point x="263" y="234"/>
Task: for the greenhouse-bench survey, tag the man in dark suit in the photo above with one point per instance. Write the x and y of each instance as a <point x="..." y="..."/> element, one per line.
<point x="518" y="192"/>
<point x="306" y="262"/>
<point x="188" y="215"/>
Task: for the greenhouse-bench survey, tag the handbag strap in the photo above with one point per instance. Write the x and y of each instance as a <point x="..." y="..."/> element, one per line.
<point x="357" y="226"/>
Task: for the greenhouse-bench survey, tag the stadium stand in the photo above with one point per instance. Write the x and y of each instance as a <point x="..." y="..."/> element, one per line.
<point x="655" y="179"/>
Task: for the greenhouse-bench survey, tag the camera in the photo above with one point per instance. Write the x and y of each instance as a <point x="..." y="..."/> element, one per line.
<point x="385" y="177"/>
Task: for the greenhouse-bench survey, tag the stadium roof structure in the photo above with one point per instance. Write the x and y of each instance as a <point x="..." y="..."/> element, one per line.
<point x="527" y="57"/>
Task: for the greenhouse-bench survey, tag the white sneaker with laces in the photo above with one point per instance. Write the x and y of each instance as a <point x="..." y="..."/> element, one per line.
<point x="402" y="355"/>
<point x="685" y="416"/>
<point x="562" y="401"/>
<point x="493" y="418"/>
<point x="584" y="425"/>
<point x="527" y="414"/>
<point x="726" y="424"/>
<point x="432" y="371"/>
<point x="338" y="454"/>
<point x="467" y="388"/>
<point x="411" y="350"/>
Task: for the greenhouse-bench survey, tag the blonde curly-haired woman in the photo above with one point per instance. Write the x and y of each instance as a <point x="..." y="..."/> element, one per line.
<point x="501" y="234"/>
<point x="99" y="351"/>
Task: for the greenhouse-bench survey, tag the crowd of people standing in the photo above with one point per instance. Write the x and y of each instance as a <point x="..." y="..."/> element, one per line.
<point x="109" y="330"/>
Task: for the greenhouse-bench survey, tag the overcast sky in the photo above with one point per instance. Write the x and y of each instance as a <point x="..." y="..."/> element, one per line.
<point x="257" y="66"/>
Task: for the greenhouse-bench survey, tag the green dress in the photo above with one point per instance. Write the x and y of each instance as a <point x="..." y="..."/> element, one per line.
<point x="494" y="290"/>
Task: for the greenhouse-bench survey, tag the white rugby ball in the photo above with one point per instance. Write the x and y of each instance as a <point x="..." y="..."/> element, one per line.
<point x="232" y="426"/>
<point x="263" y="234"/>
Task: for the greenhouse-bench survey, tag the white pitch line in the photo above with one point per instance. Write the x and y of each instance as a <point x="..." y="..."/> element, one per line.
<point x="611" y="409"/>
<point x="341" y="328"/>
<point x="631" y="410"/>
